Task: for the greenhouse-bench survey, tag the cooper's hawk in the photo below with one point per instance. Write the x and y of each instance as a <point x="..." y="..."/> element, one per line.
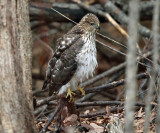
<point x="74" y="59"/>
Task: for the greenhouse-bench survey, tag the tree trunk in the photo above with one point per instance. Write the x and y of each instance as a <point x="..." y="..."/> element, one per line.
<point x="16" y="110"/>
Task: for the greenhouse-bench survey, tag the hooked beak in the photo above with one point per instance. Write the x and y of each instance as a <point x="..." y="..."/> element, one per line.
<point x="97" y="26"/>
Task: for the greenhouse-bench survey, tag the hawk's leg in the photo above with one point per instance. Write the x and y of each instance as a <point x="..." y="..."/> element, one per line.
<point x="81" y="90"/>
<point x="69" y="94"/>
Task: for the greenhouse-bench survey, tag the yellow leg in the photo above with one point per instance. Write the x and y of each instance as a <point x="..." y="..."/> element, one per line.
<point x="70" y="93"/>
<point x="81" y="90"/>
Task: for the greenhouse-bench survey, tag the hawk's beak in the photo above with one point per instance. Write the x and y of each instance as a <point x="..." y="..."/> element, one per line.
<point x="97" y="26"/>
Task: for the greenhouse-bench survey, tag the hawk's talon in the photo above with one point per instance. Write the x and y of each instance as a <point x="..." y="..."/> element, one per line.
<point x="69" y="94"/>
<point x="81" y="90"/>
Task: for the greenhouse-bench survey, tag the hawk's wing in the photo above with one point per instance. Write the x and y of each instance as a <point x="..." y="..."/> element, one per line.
<point x="63" y="65"/>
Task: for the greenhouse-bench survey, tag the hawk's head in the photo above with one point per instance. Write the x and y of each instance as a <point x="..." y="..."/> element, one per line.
<point x="90" y="22"/>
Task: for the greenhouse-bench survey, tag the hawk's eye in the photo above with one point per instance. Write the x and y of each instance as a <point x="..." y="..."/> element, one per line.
<point x="91" y="23"/>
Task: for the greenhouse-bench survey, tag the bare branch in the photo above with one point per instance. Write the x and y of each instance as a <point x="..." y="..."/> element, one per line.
<point x="123" y="19"/>
<point x="104" y="103"/>
<point x="52" y="117"/>
<point x="95" y="89"/>
<point x="131" y="83"/>
<point x="156" y="67"/>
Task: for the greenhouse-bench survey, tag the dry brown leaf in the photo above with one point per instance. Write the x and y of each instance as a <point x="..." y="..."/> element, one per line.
<point x="153" y="115"/>
<point x="71" y="118"/>
<point x="139" y="131"/>
<point x="86" y="112"/>
<point x="87" y="126"/>
<point x="98" y="129"/>
<point x="99" y="120"/>
<point x="140" y="113"/>
<point x="108" y="110"/>
<point x="153" y="103"/>
<point x="92" y="131"/>
<point x="51" y="128"/>
<point x="94" y="110"/>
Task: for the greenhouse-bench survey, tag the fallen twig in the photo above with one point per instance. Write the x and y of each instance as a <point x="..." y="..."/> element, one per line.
<point x="39" y="110"/>
<point x="95" y="89"/>
<point x="52" y="117"/>
<point x="104" y="103"/>
<point x="111" y="85"/>
<point x="46" y="100"/>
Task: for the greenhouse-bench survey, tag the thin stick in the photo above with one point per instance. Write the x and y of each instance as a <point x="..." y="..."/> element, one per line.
<point x="52" y="117"/>
<point x="64" y="16"/>
<point x="104" y="103"/>
<point x="46" y="100"/>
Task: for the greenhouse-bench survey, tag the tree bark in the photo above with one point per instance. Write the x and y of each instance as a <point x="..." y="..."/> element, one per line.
<point x="16" y="108"/>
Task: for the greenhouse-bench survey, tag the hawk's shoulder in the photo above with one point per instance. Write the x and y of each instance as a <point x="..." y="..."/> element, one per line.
<point x="66" y="43"/>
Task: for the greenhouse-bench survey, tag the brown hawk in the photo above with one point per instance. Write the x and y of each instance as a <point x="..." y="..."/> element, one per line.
<point x="74" y="59"/>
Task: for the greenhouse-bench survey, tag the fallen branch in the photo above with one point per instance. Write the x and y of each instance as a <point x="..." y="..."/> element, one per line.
<point x="106" y="94"/>
<point x="40" y="110"/>
<point x="124" y="19"/>
<point x="73" y="11"/>
<point x="104" y="103"/>
<point x="52" y="117"/>
<point x="112" y="85"/>
<point x="146" y="8"/>
<point x="46" y="100"/>
<point x="95" y="89"/>
<point x="42" y="11"/>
